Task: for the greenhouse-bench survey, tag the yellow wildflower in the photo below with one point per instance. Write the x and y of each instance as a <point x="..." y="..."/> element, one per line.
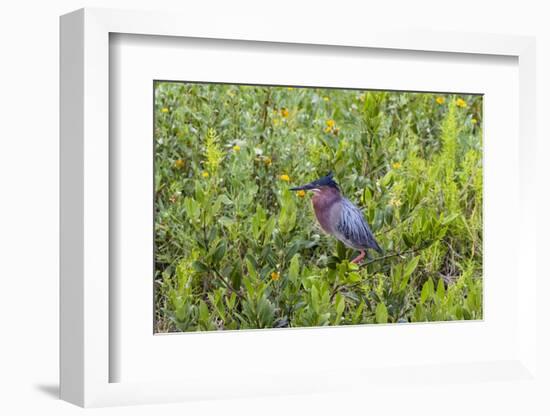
<point x="205" y="174"/>
<point x="474" y="121"/>
<point x="275" y="276"/>
<point x="179" y="163"/>
<point x="284" y="112"/>
<point x="328" y="129"/>
<point x="290" y="88"/>
<point x="396" y="165"/>
<point x="236" y="148"/>
<point x="301" y="193"/>
<point x="164" y="110"/>
<point x="330" y="123"/>
<point x="285" y="178"/>
<point x="267" y="160"/>
<point x="461" y="103"/>
<point x="440" y="100"/>
<point x="395" y="202"/>
<point x="326" y="99"/>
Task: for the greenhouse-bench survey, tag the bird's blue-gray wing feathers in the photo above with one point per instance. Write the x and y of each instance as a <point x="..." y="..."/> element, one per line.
<point x="353" y="228"/>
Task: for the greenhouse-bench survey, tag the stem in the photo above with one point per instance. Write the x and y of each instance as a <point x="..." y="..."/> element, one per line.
<point x="400" y="253"/>
<point x="337" y="288"/>
<point x="265" y="109"/>
<point x="226" y="283"/>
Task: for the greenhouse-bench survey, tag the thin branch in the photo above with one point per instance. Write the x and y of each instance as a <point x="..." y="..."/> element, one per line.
<point x="267" y="102"/>
<point x="338" y="287"/>
<point x="226" y="283"/>
<point x="400" y="253"/>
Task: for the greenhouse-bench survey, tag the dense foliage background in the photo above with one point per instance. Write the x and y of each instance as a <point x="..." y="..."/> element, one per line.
<point x="236" y="249"/>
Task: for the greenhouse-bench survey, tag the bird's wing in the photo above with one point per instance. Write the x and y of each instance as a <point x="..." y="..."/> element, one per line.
<point x="354" y="229"/>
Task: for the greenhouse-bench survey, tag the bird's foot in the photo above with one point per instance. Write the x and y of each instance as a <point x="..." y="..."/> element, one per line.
<point x="359" y="258"/>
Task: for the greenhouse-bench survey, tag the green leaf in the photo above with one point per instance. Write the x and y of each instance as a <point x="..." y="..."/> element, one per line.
<point x="314" y="293"/>
<point x="268" y="229"/>
<point x="287" y="216"/>
<point x="386" y="179"/>
<point x="396" y="276"/>
<point x="419" y="315"/>
<point x="340" y="250"/>
<point x="411" y="266"/>
<point x="440" y="292"/>
<point x="219" y="252"/>
<point x="224" y="199"/>
<point x="427" y="291"/>
<point x="204" y="314"/>
<point x="353" y="266"/>
<point x="251" y="269"/>
<point x="294" y="269"/>
<point x="354" y="277"/>
<point x="230" y="301"/>
<point x="236" y="277"/>
<point x="381" y="313"/>
<point x="358" y="314"/>
<point x="340" y="304"/>
<point x="449" y="219"/>
<point x="212" y="235"/>
<point x="408" y="241"/>
<point x="367" y="196"/>
<point x="192" y="208"/>
<point x="199" y="267"/>
<point x="226" y="221"/>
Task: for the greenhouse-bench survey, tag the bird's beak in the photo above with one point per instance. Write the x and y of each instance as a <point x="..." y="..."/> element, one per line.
<point x="306" y="187"/>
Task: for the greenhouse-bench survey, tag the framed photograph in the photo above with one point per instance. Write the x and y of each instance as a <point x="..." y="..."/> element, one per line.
<point x="318" y="214"/>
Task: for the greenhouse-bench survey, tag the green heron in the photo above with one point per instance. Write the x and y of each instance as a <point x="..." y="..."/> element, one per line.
<point x="339" y="217"/>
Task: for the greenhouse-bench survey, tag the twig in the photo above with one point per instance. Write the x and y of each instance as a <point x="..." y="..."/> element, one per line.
<point x="227" y="284"/>
<point x="266" y="105"/>
<point x="337" y="288"/>
<point x="400" y="253"/>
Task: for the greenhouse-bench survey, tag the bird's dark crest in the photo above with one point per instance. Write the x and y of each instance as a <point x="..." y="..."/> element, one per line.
<point x="324" y="181"/>
<point x="327" y="180"/>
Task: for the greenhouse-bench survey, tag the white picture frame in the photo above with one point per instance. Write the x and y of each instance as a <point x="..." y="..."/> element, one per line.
<point x="86" y="356"/>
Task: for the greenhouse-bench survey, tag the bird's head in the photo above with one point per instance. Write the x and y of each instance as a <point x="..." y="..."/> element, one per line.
<point x="324" y="183"/>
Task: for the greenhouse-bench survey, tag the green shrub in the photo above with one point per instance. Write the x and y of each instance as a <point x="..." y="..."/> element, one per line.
<point x="235" y="249"/>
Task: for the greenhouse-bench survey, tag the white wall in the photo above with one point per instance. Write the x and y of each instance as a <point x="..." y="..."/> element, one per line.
<point x="29" y="56"/>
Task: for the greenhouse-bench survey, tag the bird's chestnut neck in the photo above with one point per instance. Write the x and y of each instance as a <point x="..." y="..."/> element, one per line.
<point x="325" y="196"/>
